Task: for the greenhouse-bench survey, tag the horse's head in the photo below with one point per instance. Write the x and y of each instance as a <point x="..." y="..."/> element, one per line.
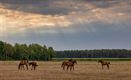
<point x="70" y="60"/>
<point x="100" y="61"/>
<point x="74" y="61"/>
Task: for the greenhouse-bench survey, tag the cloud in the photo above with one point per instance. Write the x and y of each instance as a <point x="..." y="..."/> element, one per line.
<point x="67" y="16"/>
<point x="16" y="21"/>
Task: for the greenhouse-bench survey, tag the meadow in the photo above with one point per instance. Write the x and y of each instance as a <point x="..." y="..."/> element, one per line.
<point x="93" y="59"/>
<point x="51" y="70"/>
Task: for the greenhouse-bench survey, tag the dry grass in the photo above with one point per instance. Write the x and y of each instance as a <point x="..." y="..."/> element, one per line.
<point x="53" y="71"/>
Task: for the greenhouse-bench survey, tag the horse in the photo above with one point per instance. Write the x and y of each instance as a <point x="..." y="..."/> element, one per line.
<point x="104" y="63"/>
<point x="33" y="64"/>
<point x="22" y="63"/>
<point x="69" y="63"/>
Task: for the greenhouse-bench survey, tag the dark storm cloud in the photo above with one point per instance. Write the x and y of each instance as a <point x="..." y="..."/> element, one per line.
<point x="21" y="1"/>
<point x="56" y="7"/>
<point x="49" y="7"/>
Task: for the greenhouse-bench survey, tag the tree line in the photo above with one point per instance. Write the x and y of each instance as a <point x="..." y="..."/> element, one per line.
<point x="39" y="52"/>
<point x="101" y="53"/>
<point x="24" y="51"/>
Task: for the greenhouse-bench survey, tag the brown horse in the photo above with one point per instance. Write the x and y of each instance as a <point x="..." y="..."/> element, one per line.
<point x="104" y="63"/>
<point x="33" y="64"/>
<point x="22" y="63"/>
<point x="69" y="64"/>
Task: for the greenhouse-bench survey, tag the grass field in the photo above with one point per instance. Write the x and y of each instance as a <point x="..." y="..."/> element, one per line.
<point x="84" y="70"/>
<point x="94" y="59"/>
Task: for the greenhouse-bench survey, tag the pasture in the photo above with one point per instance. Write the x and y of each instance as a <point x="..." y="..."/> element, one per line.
<point x="84" y="70"/>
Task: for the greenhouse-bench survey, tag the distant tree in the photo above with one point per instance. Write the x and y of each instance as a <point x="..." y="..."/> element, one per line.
<point x="1" y="50"/>
<point x="51" y="53"/>
<point x="8" y="51"/>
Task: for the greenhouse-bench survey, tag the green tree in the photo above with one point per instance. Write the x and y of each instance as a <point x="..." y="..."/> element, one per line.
<point x="51" y="53"/>
<point x="8" y="51"/>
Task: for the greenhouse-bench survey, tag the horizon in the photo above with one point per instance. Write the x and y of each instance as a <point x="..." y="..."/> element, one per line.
<point x="67" y="24"/>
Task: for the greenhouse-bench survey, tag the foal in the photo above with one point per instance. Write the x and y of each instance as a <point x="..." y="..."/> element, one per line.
<point x="33" y="64"/>
<point x="104" y="63"/>
<point x="22" y="63"/>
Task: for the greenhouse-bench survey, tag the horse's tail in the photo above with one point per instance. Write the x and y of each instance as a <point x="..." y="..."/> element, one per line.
<point x="19" y="67"/>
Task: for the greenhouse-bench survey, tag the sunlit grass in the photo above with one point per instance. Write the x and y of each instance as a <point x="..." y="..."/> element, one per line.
<point x="93" y="59"/>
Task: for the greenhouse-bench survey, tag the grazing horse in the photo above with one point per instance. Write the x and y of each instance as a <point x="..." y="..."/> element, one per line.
<point x="22" y="63"/>
<point x="104" y="63"/>
<point x="33" y="64"/>
<point x="69" y="63"/>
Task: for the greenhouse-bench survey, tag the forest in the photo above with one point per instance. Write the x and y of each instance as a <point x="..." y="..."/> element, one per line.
<point x="42" y="52"/>
<point x="24" y="51"/>
<point x="96" y="53"/>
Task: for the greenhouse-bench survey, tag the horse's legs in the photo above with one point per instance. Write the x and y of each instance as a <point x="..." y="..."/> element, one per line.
<point x="67" y="67"/>
<point x="26" y="67"/>
<point x="23" y="67"/>
<point x="20" y="67"/>
<point x="34" y="67"/>
<point x="102" y="66"/>
<point x="108" y="66"/>
<point x="31" y="67"/>
<point x="70" y="68"/>
<point x="73" y="67"/>
<point x="63" y="67"/>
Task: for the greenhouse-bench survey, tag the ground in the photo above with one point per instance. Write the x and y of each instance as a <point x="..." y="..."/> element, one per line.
<point x="84" y="70"/>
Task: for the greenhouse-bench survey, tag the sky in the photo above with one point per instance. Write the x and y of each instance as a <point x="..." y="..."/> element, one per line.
<point x="67" y="24"/>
